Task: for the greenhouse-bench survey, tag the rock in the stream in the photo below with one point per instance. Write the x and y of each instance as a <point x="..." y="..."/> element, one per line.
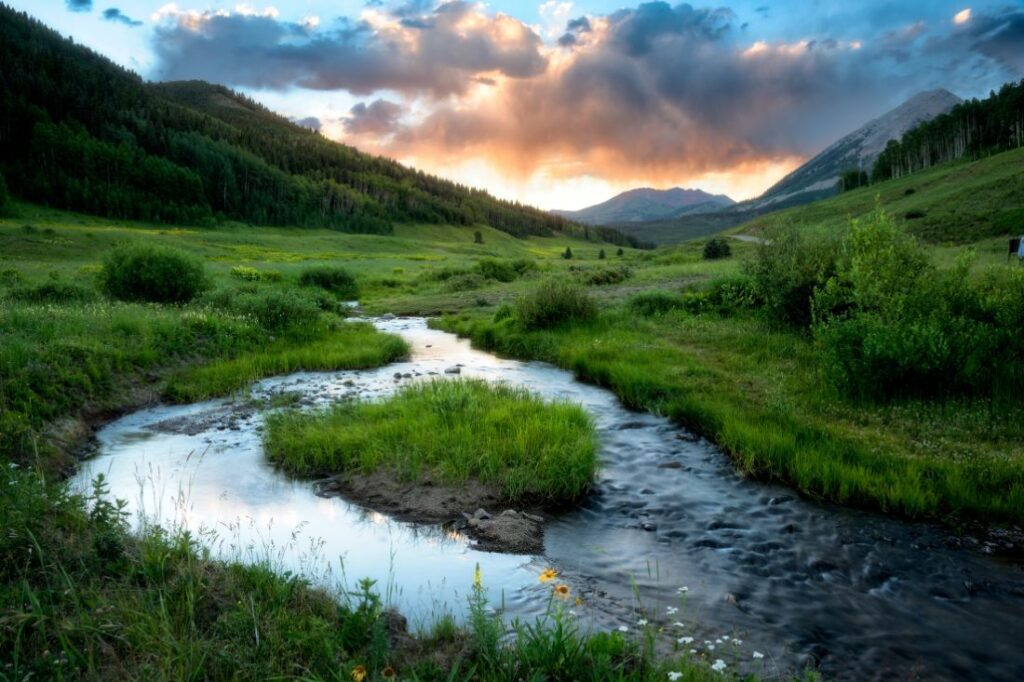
<point x="453" y="370"/>
<point x="387" y="316"/>
<point x="509" y="531"/>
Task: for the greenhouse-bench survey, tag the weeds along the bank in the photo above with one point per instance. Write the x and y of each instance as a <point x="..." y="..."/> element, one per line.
<point x="64" y="348"/>
<point x="715" y="359"/>
<point x="452" y="431"/>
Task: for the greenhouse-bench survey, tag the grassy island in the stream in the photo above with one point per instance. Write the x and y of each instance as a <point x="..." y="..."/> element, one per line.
<point x="453" y="431"/>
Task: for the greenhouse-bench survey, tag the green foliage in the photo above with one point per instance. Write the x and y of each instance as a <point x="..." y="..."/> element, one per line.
<point x="853" y="179"/>
<point x="619" y="252"/>
<point x="499" y="271"/>
<point x="552" y="302"/>
<point x="717" y="248"/>
<point x="274" y="309"/>
<point x="247" y="274"/>
<point x="603" y="276"/>
<point x="891" y="324"/>
<point x="567" y="254"/>
<point x="5" y="196"/>
<point x="143" y="272"/>
<point x="334" y="279"/>
<point x="452" y="430"/>
<point x="601" y="255"/>
<point x="478" y="237"/>
<point x="54" y="291"/>
<point x="465" y="282"/>
<point x="651" y="303"/>
<point x="504" y="312"/>
<point x="788" y="268"/>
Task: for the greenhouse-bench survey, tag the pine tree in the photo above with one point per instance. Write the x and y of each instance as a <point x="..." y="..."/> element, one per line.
<point x="568" y="253"/>
<point x="478" y="237"/>
<point x="619" y="252"/>
<point x="600" y="255"/>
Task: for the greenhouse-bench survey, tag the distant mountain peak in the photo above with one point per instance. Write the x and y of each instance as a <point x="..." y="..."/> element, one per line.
<point x="646" y="203"/>
<point x="818" y="177"/>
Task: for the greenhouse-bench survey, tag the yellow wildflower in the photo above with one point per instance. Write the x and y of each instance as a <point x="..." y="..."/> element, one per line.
<point x="562" y="591"/>
<point x="579" y="601"/>
<point x="548" y="574"/>
<point x="388" y="673"/>
<point x="359" y="673"/>
<point x="478" y="578"/>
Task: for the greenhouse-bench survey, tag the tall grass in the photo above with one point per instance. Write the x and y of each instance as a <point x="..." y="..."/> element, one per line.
<point x="456" y="430"/>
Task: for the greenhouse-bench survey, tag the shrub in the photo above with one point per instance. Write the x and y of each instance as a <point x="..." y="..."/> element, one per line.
<point x="504" y="312"/>
<point x="914" y="214"/>
<point x="466" y="282"/>
<point x="54" y="291"/>
<point x="336" y="280"/>
<point x="788" y="267"/>
<point x="478" y="237"/>
<point x="733" y="292"/>
<point x="245" y="273"/>
<point x="600" y="255"/>
<point x="501" y="271"/>
<point x="140" y="272"/>
<point x="567" y="254"/>
<point x="10" y="277"/>
<point x="524" y="265"/>
<point x="613" y="275"/>
<point x="5" y="197"/>
<point x="553" y="302"/>
<point x="717" y="248"/>
<point x="619" y="252"/>
<point x="274" y="309"/>
<point x="651" y="303"/>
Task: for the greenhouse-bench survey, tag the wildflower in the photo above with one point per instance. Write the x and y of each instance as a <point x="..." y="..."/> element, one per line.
<point x="711" y="647"/>
<point x="642" y="622"/>
<point x="547" y="575"/>
<point x="718" y="641"/>
<point x="718" y="666"/>
<point x="388" y="673"/>
<point x="685" y="640"/>
<point x="758" y="655"/>
<point x="737" y="642"/>
<point x="693" y="651"/>
<point x="673" y="676"/>
<point x="683" y="590"/>
<point x="725" y="637"/>
<point x="562" y="591"/>
<point x="359" y="673"/>
<point x="671" y="610"/>
<point x="623" y="628"/>
<point x="679" y="625"/>
<point x="578" y="602"/>
<point x="478" y="578"/>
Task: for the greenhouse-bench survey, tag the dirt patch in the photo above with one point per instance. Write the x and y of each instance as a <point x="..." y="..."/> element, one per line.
<point x="472" y="508"/>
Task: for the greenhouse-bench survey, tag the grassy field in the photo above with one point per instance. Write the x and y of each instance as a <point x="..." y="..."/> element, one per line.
<point x="84" y="598"/>
<point x="454" y="431"/>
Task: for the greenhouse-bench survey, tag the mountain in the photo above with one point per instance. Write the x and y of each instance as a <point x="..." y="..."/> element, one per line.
<point x="816" y="179"/>
<point x="644" y="204"/>
<point x="79" y="132"/>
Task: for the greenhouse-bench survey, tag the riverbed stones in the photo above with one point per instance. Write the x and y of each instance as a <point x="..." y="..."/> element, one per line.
<point x="453" y="370"/>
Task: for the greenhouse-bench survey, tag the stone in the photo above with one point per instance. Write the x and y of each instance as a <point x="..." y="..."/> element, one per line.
<point x="453" y="370"/>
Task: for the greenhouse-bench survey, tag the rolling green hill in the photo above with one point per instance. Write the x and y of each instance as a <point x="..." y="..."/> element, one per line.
<point x="958" y="203"/>
<point x="83" y="134"/>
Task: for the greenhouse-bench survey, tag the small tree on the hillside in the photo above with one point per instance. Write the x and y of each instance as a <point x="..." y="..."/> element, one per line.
<point x="619" y="252"/>
<point x="567" y="255"/>
<point x="717" y="248"/>
<point x="478" y="237"/>
<point x="600" y="255"/>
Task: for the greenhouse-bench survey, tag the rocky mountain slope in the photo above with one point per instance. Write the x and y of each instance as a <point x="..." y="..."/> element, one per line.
<point x="644" y="204"/>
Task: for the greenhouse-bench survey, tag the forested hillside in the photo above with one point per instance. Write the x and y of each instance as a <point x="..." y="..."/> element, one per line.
<point x="971" y="130"/>
<point x="78" y="132"/>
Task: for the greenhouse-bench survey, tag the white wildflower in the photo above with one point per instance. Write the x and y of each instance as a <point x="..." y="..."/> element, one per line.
<point x="758" y="655"/>
<point x="623" y="628"/>
<point x="671" y="610"/>
<point x="685" y="640"/>
<point x="673" y="676"/>
<point x="718" y="666"/>
<point x="683" y="590"/>
<point x="679" y="625"/>
<point x="642" y="622"/>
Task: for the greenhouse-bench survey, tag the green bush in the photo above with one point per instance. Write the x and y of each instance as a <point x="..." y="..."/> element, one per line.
<point x="602" y="276"/>
<point x="465" y="282"/>
<point x="142" y="272"/>
<point x="504" y="312"/>
<point x="733" y="292"/>
<point x="651" y="303"/>
<point x="889" y="323"/>
<point x="788" y="267"/>
<point x="336" y="280"/>
<point x="54" y="291"/>
<point x="717" y="248"/>
<point x="501" y="271"/>
<point x="273" y="308"/>
<point x="10" y="277"/>
<point x="553" y="302"/>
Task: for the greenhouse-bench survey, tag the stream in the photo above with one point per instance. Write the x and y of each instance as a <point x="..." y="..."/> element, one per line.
<point x="859" y="595"/>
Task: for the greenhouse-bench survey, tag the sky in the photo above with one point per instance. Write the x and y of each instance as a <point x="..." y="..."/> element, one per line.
<point x="565" y="103"/>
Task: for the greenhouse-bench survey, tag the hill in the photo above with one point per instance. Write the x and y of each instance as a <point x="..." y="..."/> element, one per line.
<point x="82" y="133"/>
<point x="959" y="203"/>
<point x="814" y="180"/>
<point x="646" y="204"/>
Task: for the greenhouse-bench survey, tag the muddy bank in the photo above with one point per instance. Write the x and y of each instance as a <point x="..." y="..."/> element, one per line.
<point x="472" y="509"/>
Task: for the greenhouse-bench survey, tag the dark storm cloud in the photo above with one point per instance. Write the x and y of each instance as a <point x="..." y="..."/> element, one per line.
<point x="114" y="14"/>
<point x="379" y="118"/>
<point x="581" y="25"/>
<point x="436" y="53"/>
<point x="79" y="5"/>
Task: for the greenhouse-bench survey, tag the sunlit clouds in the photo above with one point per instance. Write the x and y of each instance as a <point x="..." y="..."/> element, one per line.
<point x="562" y="104"/>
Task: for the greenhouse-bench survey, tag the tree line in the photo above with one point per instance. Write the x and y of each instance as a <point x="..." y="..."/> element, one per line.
<point x="971" y="129"/>
<point x="79" y="132"/>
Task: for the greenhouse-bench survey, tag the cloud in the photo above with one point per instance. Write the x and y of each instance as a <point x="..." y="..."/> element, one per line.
<point x="311" y="122"/>
<point x="962" y="17"/>
<point x="114" y="14"/>
<point x="379" y="118"/>
<point x="79" y="5"/>
<point x="412" y="50"/>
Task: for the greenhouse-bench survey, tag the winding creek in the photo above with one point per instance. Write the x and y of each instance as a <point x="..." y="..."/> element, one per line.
<point x="866" y="596"/>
